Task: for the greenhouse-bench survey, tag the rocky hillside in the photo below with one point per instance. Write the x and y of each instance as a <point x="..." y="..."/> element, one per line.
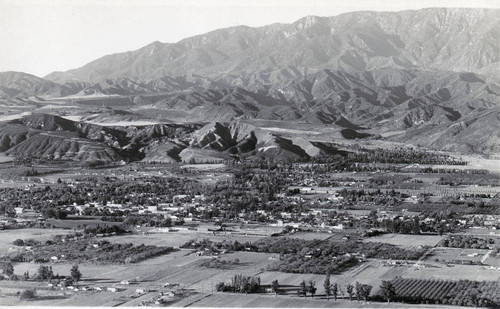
<point x="50" y="137"/>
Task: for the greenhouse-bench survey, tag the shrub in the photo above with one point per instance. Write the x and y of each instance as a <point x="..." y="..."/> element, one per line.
<point x="18" y="242"/>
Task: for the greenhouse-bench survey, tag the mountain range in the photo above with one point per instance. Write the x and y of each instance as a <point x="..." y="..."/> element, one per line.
<point x="426" y="77"/>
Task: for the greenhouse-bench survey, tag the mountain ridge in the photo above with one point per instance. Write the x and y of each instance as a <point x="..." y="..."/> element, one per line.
<point x="350" y="41"/>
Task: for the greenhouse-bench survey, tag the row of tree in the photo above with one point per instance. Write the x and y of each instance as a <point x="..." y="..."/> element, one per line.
<point x="43" y="273"/>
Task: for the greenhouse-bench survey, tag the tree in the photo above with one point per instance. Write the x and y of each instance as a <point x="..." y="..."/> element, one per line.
<point x="335" y="290"/>
<point x="28" y="294"/>
<point x="75" y="273"/>
<point x="220" y="287"/>
<point x="275" y="287"/>
<point x="359" y="290"/>
<point x="44" y="272"/>
<point x="365" y="291"/>
<point x="7" y="269"/>
<point x="303" y="288"/>
<point x="312" y="288"/>
<point x="349" y="289"/>
<point x="327" y="286"/>
<point x="388" y="290"/>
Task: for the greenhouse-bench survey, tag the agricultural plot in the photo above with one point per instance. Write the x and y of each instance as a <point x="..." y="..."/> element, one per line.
<point x="204" y="167"/>
<point x="151" y="274"/>
<point x="79" y="223"/>
<point x="467" y="272"/>
<point x="228" y="300"/>
<point x="180" y="237"/>
<point x="406" y="240"/>
<point x="439" y="206"/>
<point x="457" y="255"/>
<point x="461" y="293"/>
<point x="310" y="235"/>
<point x="204" y="279"/>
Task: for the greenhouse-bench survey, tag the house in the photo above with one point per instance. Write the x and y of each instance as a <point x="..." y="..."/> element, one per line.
<point x="114" y="205"/>
<point x="339" y="226"/>
<point x="141" y="291"/>
<point x="19" y="210"/>
<point x="168" y="294"/>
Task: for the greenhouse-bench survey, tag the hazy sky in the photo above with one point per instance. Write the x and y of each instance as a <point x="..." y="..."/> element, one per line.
<point x="41" y="36"/>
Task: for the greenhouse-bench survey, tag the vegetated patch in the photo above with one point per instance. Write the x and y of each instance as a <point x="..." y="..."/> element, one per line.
<point x="457" y="293"/>
<point x="442" y="207"/>
<point x="455" y="179"/>
<point x="314" y="256"/>
<point x="353" y="134"/>
<point x="333" y="257"/>
<point x="468" y="241"/>
<point x="88" y="250"/>
<point x="220" y="263"/>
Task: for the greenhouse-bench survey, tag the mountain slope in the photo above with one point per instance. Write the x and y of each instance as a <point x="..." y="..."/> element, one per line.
<point x="13" y="84"/>
<point x="437" y="38"/>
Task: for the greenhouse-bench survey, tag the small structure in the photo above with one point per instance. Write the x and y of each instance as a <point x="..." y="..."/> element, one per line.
<point x="141" y="291"/>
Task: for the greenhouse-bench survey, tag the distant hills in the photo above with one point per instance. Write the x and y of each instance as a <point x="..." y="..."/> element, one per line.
<point x="426" y="77"/>
<point x="54" y="138"/>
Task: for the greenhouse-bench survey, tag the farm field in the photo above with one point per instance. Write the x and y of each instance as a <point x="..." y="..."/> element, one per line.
<point x="79" y="223"/>
<point x="447" y="291"/>
<point x="467" y="272"/>
<point x="150" y="274"/>
<point x="310" y="235"/>
<point x="367" y="273"/>
<point x="477" y="162"/>
<point x="178" y="238"/>
<point x="406" y="240"/>
<point x="228" y="300"/>
<point x="456" y="255"/>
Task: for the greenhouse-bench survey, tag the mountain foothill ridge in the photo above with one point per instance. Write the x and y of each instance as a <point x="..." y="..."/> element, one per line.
<point x="431" y="74"/>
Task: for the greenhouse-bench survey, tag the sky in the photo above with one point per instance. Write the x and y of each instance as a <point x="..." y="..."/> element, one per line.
<point x="42" y="36"/>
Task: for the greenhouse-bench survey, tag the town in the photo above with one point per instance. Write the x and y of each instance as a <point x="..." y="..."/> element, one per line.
<point x="190" y="234"/>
